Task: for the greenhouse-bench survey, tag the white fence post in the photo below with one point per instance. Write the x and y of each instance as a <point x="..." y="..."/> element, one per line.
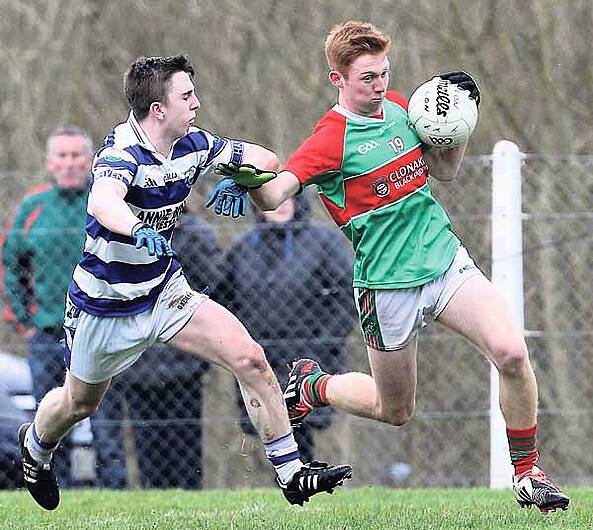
<point x="507" y="276"/>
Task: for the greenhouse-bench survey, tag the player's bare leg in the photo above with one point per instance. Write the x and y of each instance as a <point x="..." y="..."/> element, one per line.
<point x="215" y="334"/>
<point x="58" y="412"/>
<point x="65" y="406"/>
<point x="388" y="395"/>
<point x="478" y="312"/>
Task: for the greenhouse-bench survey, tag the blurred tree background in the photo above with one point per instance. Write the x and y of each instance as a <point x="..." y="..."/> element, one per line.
<point x="262" y="72"/>
<point x="262" y="76"/>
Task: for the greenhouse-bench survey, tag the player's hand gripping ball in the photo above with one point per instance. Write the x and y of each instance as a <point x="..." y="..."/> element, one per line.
<point x="444" y="112"/>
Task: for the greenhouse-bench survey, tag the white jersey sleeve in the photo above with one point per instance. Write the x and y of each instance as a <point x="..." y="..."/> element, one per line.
<point x="115" y="163"/>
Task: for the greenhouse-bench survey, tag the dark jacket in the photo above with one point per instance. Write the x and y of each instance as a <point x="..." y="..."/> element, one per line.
<point x="291" y="286"/>
<point x="195" y="244"/>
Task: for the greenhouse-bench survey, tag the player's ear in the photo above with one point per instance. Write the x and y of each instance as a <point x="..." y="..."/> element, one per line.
<point x="157" y="109"/>
<point x="336" y="79"/>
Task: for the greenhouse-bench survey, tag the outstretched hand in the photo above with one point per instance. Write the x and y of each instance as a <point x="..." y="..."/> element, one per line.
<point x="466" y="82"/>
<point x="229" y="198"/>
<point x="245" y="174"/>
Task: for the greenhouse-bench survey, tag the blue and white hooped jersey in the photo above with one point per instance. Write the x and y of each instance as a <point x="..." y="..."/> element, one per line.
<point x="114" y="278"/>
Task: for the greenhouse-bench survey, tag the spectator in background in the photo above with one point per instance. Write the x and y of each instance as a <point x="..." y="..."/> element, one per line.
<point x="40" y="251"/>
<point x="162" y="395"/>
<point x="310" y="266"/>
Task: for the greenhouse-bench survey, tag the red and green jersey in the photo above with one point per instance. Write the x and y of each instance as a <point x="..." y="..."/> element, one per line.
<point x="373" y="180"/>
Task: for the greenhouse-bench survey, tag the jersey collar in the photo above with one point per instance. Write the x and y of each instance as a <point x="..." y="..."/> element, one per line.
<point x="143" y="140"/>
<point x="140" y="135"/>
<point x="357" y="117"/>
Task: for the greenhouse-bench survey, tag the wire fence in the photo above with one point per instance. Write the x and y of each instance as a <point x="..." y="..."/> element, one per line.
<point x="173" y="421"/>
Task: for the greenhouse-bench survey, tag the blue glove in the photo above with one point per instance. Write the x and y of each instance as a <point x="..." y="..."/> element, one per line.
<point x="229" y="198"/>
<point x="146" y="236"/>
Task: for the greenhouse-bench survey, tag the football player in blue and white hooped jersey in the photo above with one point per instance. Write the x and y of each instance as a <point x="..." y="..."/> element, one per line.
<point x="129" y="291"/>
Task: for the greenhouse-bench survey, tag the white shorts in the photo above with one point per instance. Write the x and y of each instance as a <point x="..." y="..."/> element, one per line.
<point x="98" y="348"/>
<point x="390" y="318"/>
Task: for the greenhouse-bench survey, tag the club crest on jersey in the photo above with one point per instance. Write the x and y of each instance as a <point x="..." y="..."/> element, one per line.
<point x="191" y="175"/>
<point x="381" y="187"/>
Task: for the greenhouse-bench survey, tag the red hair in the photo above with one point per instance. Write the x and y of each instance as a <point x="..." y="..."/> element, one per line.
<point x="348" y="41"/>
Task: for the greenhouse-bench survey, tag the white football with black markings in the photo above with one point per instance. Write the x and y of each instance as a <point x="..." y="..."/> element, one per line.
<point x="442" y="114"/>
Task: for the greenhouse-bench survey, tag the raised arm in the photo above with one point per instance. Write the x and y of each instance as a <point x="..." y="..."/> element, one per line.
<point x="276" y="191"/>
<point x="257" y="175"/>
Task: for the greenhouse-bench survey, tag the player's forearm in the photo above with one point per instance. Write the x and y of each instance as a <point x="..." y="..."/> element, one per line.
<point x="444" y="163"/>
<point x="274" y="193"/>
<point x="266" y="198"/>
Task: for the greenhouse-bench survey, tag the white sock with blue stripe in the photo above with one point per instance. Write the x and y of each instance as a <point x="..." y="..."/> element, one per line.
<point x="284" y="455"/>
<point x="40" y="451"/>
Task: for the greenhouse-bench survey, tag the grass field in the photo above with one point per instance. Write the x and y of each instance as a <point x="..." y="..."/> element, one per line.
<point x="349" y="509"/>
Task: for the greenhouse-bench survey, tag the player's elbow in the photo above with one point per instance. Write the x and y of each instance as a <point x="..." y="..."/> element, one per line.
<point x="99" y="210"/>
<point x="262" y="158"/>
<point x="397" y="420"/>
<point x="94" y="207"/>
<point x="397" y="415"/>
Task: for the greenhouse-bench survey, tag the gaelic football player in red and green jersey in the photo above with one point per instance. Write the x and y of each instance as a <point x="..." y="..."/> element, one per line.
<point x="373" y="175"/>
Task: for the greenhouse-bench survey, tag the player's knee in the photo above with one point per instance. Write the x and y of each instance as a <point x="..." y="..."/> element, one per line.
<point x="511" y="357"/>
<point x="250" y="359"/>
